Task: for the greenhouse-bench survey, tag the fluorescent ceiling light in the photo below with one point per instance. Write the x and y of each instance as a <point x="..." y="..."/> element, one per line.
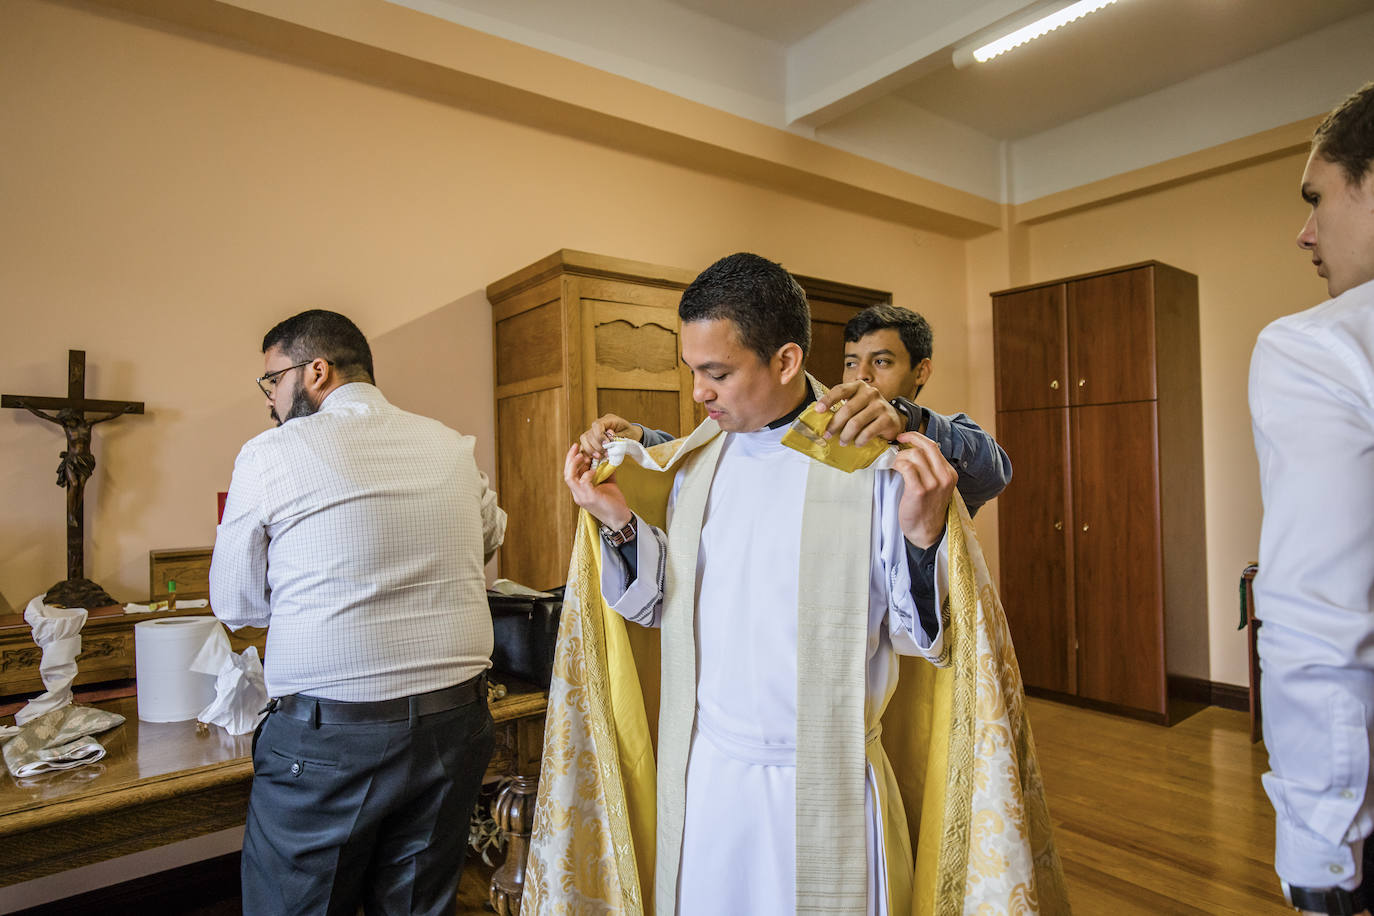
<point x="986" y="51"/>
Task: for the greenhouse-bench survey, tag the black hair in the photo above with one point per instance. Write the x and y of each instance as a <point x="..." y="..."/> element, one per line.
<point x="317" y="333"/>
<point x="1346" y="136"/>
<point x="910" y="326"/>
<point x="766" y="304"/>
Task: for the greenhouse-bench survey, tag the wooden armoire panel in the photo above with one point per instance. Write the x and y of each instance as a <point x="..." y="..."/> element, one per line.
<point x="1119" y="589"/>
<point x="1036" y="575"/>
<point x="652" y="409"/>
<point x="1030" y="349"/>
<point x="532" y="344"/>
<point x="1136" y="568"/>
<point x="832" y="305"/>
<point x="539" y="510"/>
<point x="1112" y="338"/>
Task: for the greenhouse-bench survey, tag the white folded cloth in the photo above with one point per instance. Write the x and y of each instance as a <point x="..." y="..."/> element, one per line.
<point x="57" y="631"/>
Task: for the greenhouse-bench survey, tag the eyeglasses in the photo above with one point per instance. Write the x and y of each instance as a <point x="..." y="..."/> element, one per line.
<point x="268" y="382"/>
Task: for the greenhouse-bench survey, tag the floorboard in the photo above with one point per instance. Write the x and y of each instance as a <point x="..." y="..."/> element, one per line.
<point x="1148" y="820"/>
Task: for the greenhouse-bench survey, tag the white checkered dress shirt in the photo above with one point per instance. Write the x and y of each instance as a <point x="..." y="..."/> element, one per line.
<point x="360" y="534"/>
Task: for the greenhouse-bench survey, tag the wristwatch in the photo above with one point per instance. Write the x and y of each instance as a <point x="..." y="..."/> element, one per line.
<point x="909" y="411"/>
<point x="621" y="537"/>
<point x="1336" y="900"/>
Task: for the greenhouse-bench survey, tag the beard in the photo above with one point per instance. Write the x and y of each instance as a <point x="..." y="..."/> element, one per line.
<point x="300" y="407"/>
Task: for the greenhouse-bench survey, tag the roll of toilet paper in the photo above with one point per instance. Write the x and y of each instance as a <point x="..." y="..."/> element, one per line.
<point x="168" y="690"/>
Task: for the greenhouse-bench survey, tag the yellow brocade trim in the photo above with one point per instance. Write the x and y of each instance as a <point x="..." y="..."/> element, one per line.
<point x="589" y="832"/>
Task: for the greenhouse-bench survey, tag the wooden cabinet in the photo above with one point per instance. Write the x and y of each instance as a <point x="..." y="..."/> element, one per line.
<point x="1102" y="538"/>
<point x="579" y="335"/>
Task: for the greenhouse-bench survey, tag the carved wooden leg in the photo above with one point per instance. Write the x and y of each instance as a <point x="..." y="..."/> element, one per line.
<point x="514" y="813"/>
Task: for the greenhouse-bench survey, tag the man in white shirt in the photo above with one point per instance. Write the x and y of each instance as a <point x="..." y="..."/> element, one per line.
<point x="359" y="533"/>
<point x="1312" y="404"/>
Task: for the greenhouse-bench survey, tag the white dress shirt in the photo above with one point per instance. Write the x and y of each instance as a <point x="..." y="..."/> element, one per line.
<point x="359" y="533"/>
<point x="1312" y="404"/>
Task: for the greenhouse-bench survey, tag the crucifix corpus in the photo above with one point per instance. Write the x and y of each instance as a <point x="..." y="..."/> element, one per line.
<point x="76" y="414"/>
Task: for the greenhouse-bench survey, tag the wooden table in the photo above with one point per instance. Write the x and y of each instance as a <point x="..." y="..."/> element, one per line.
<point x="161" y="783"/>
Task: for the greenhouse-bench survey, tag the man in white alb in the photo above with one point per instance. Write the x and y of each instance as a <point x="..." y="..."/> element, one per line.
<point x="760" y="749"/>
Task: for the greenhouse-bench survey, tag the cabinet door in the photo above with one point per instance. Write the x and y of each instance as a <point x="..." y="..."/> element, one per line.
<point x="1037" y="566"/>
<point x="1118" y="574"/>
<point x="1112" y="338"/>
<point x="826" y="360"/>
<point x="539" y="509"/>
<point x="1029" y="347"/>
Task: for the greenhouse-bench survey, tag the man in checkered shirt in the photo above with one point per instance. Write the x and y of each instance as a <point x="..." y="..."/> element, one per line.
<point x="359" y="533"/>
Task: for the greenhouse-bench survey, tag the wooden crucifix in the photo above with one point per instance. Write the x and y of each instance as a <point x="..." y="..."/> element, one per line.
<point x="76" y="414"/>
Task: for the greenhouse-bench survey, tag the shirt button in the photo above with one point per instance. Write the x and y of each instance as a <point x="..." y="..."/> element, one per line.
<point x="296" y="771"/>
<point x="1335" y="869"/>
<point x="1347" y="793"/>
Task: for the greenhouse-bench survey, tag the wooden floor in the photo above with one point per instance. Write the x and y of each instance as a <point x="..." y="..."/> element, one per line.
<point x="1154" y="820"/>
<point x="1148" y="820"/>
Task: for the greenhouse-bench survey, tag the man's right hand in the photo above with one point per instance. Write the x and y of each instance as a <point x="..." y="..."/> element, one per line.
<point x="604" y="501"/>
<point x="592" y="443"/>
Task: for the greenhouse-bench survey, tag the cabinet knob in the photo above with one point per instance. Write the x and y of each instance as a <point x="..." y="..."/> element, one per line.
<point x="1082" y="382"/>
<point x="1058" y="526"/>
<point x="1055" y="384"/>
<point x="1085" y="527"/>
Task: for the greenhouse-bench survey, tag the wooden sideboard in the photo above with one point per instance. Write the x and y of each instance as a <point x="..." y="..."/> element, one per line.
<point x="160" y="783"/>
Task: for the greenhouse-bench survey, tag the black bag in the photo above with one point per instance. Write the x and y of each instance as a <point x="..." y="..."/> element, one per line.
<point x="524" y="633"/>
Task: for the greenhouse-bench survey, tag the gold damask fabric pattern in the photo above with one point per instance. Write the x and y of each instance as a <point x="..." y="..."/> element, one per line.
<point x="962" y="754"/>
<point x="582" y="859"/>
<point x="995" y="843"/>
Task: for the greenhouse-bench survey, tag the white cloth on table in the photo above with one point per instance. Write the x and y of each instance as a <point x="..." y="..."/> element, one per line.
<point x="57" y="631"/>
<point x="240" y="688"/>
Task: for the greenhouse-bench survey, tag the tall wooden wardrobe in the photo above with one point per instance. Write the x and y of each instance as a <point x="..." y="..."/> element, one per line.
<point x="579" y="335"/>
<point x="1103" y="562"/>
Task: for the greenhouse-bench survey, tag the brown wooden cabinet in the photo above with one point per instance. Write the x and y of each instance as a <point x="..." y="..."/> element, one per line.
<point x="579" y="335"/>
<point x="1102" y="539"/>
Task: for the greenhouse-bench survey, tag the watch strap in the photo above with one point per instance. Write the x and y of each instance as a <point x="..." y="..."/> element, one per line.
<point x="1334" y="900"/>
<point x="619" y="537"/>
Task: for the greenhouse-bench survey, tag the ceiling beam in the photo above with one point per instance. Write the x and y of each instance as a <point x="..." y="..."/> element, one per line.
<point x="879" y="46"/>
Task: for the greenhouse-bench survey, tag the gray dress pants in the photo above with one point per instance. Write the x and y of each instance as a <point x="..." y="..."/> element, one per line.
<point x="367" y="814"/>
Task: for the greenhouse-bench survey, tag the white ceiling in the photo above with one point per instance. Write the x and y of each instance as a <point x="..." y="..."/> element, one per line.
<point x="1134" y="83"/>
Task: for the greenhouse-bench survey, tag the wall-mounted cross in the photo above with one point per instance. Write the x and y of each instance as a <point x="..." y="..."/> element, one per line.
<point x="74" y="414"/>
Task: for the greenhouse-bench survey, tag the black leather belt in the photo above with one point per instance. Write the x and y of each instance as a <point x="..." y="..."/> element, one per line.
<point x="339" y="712"/>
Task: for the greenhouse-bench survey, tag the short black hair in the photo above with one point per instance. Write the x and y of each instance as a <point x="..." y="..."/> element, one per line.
<point x="1346" y="136"/>
<point x="766" y="304"/>
<point x="911" y="327"/>
<point x="317" y="333"/>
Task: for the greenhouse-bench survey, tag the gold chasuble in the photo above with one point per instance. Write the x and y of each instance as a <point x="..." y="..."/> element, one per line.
<point x="958" y="784"/>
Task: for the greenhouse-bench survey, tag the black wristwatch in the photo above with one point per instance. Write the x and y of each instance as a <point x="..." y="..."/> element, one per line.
<point x="909" y="411"/>
<point x="1336" y="900"/>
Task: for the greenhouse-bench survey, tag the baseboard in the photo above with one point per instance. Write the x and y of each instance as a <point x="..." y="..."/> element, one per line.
<point x="1115" y="709"/>
<point x="1210" y="693"/>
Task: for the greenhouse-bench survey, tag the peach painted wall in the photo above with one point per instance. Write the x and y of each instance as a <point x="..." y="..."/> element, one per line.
<point x="1236" y="231"/>
<point x="168" y="197"/>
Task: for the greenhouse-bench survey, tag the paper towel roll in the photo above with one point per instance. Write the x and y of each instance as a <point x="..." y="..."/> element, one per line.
<point x="168" y="690"/>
